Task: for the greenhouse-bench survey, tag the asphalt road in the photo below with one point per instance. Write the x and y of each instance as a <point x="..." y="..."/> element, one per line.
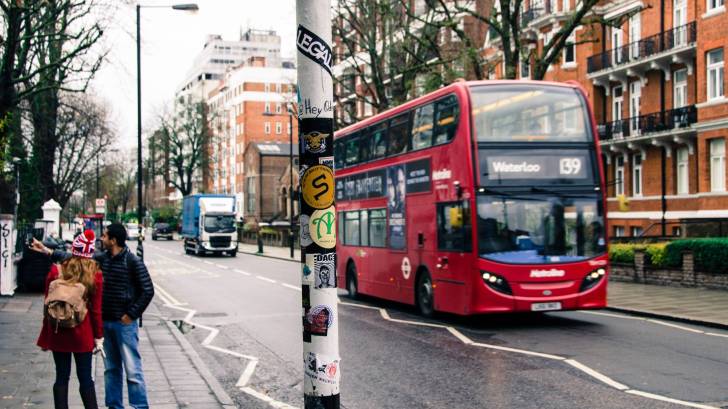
<point x="391" y="360"/>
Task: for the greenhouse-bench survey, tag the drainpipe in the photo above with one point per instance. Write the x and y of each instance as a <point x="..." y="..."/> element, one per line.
<point x="663" y="150"/>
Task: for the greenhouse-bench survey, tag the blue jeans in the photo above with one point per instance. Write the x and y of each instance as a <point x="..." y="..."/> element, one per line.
<point x="121" y="345"/>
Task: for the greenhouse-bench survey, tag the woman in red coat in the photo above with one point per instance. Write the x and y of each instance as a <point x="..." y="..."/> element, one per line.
<point x="82" y="340"/>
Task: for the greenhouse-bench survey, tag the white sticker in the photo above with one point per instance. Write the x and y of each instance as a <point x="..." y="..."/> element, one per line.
<point x="304" y="231"/>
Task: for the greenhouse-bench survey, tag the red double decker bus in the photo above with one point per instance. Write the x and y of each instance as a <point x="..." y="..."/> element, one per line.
<point x="480" y="197"/>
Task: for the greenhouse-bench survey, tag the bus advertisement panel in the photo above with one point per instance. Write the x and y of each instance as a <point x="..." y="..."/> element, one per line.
<point x="480" y="197"/>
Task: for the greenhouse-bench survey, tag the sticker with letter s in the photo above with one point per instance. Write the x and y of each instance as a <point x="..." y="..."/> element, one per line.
<point x="318" y="186"/>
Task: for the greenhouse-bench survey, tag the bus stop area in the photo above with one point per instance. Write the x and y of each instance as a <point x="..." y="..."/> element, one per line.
<point x="695" y="305"/>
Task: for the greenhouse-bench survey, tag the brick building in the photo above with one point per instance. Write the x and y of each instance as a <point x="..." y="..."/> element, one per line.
<point x="250" y="104"/>
<point x="266" y="165"/>
<point x="654" y="73"/>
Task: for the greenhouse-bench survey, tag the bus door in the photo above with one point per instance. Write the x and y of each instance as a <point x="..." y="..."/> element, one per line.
<point x="453" y="256"/>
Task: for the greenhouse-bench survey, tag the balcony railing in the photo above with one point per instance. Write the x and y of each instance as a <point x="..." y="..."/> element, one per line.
<point x="533" y="13"/>
<point x="649" y="123"/>
<point x="643" y="48"/>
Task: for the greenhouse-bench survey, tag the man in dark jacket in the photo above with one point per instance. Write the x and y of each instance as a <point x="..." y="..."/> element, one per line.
<point x="128" y="290"/>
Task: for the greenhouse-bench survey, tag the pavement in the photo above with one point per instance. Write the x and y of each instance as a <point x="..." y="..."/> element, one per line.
<point x="175" y="374"/>
<point x="686" y="304"/>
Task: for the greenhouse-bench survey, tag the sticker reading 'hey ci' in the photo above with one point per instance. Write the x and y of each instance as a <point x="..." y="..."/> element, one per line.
<point x="314" y="47"/>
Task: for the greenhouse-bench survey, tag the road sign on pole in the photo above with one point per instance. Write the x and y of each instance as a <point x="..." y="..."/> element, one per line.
<point x="321" y="360"/>
<point x="101" y="205"/>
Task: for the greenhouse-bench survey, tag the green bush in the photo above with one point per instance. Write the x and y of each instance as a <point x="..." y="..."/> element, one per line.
<point x="621" y="253"/>
<point x="710" y="254"/>
<point x="656" y="254"/>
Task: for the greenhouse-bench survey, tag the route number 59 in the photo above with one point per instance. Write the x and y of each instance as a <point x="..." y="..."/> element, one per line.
<point x="569" y="166"/>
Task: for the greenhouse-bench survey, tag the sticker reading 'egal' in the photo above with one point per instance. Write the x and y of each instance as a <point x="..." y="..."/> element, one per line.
<point x="314" y="47"/>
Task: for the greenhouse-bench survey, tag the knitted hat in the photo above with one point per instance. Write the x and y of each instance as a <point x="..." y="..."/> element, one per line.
<point x="83" y="245"/>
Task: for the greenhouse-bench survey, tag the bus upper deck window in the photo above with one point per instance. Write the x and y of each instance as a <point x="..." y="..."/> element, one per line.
<point x="339" y="151"/>
<point x="364" y="151"/>
<point x="398" y="135"/>
<point x="378" y="142"/>
<point x="446" y="119"/>
<point x="422" y="126"/>
<point x="352" y="150"/>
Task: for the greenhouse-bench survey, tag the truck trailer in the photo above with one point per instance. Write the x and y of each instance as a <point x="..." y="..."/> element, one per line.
<point x="208" y="225"/>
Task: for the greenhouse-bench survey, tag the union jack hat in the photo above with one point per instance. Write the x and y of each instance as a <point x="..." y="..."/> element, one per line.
<point x="83" y="245"/>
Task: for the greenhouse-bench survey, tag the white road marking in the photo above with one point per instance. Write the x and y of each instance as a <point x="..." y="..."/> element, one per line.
<point x="292" y="287"/>
<point x="208" y="262"/>
<point x="265" y="398"/>
<point x="654" y="321"/>
<point x="245" y="273"/>
<point x="221" y="266"/>
<point x="609" y="381"/>
<point x="576" y="364"/>
<point x="266" y="279"/>
<point x="671" y="400"/>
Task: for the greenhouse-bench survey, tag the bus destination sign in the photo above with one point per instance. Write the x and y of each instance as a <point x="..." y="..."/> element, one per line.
<point x="562" y="166"/>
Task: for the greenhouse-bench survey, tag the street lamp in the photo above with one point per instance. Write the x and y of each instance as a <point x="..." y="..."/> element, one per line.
<point x="290" y="188"/>
<point x="140" y="216"/>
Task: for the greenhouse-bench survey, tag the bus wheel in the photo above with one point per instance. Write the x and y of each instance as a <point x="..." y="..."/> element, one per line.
<point x="424" y="293"/>
<point x="351" y="284"/>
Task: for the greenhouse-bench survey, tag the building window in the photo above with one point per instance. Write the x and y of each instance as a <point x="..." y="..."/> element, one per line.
<point x="251" y="195"/>
<point x="637" y="175"/>
<point x="680" y="89"/>
<point x="717" y="165"/>
<point x="279" y="128"/>
<point x="267" y="87"/>
<point x="714" y="4"/>
<point x="682" y="171"/>
<point x="267" y="128"/>
<point x="279" y="109"/>
<point x="570" y="50"/>
<point x="525" y="69"/>
<point x="636" y="231"/>
<point x="619" y="176"/>
<point x="278" y="88"/>
<point x="618" y="231"/>
<point x="715" y="74"/>
<point x="267" y="108"/>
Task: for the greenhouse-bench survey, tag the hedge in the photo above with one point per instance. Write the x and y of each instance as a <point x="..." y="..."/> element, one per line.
<point x="624" y="253"/>
<point x="710" y="254"/>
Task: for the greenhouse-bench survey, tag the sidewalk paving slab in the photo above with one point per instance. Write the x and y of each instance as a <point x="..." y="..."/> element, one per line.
<point x="174" y="377"/>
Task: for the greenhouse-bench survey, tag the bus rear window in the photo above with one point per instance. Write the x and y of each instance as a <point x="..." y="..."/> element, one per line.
<point x="522" y="113"/>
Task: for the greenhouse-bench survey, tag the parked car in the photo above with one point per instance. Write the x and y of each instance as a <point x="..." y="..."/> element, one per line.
<point x="162" y="230"/>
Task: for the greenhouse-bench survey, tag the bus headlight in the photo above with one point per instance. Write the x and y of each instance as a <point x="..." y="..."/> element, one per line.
<point x="592" y="279"/>
<point x="496" y="282"/>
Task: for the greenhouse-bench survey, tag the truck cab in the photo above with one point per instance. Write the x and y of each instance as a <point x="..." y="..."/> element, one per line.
<point x="208" y="225"/>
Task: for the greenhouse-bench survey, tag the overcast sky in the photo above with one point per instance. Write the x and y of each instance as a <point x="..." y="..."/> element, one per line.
<point x="170" y="41"/>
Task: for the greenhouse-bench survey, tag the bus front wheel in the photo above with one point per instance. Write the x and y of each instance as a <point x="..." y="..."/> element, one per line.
<point x="425" y="296"/>
<point x="351" y="284"/>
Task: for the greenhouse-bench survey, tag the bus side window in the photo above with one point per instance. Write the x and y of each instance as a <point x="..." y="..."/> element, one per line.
<point x="339" y="152"/>
<point x="453" y="226"/>
<point x="398" y="135"/>
<point x="422" y="126"/>
<point x="351" y="228"/>
<point x="364" y="224"/>
<point x="378" y="142"/>
<point x="446" y="119"/>
<point x="340" y="226"/>
<point x="352" y="150"/>
<point x="364" y="146"/>
<point x="377" y="227"/>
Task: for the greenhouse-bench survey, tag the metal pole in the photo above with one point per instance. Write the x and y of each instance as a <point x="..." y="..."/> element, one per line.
<point x="97" y="175"/>
<point x="140" y="249"/>
<point x="290" y="188"/>
<point x="318" y="243"/>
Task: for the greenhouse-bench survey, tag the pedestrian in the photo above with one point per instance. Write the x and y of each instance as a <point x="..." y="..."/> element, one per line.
<point x="128" y="290"/>
<point x="77" y="285"/>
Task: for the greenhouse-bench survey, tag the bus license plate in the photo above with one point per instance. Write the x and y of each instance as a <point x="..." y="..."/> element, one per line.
<point x="546" y="306"/>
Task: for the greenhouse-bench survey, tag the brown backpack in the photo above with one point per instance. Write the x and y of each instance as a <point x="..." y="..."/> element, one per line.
<point x="65" y="305"/>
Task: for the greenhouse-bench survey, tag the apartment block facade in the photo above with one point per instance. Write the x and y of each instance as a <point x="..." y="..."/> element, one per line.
<point x="252" y="103"/>
<point x="654" y="73"/>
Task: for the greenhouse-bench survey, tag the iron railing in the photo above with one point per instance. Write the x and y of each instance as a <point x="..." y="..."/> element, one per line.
<point x="649" y="123"/>
<point x="664" y="41"/>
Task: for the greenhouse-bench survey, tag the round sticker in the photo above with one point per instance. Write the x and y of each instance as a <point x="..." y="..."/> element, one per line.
<point x="406" y="268"/>
<point x="305" y="232"/>
<point x="318" y="186"/>
<point x="322" y="227"/>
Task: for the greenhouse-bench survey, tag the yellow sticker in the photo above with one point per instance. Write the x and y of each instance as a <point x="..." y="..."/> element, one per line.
<point x="322" y="227"/>
<point x="318" y="186"/>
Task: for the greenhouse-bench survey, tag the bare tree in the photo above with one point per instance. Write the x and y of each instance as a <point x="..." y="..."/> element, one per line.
<point x="185" y="135"/>
<point x="377" y="55"/>
<point x="84" y="134"/>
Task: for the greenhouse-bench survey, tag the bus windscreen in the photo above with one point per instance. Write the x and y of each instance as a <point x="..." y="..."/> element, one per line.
<point x="523" y="113"/>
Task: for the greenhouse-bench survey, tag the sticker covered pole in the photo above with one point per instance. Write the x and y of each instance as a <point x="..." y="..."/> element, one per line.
<point x="321" y="360"/>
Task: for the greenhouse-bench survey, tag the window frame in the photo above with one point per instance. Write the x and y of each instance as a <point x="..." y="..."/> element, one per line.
<point x="682" y="171"/>
<point x="637" y="186"/>
<point x="717" y="176"/>
<point x="715" y="88"/>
